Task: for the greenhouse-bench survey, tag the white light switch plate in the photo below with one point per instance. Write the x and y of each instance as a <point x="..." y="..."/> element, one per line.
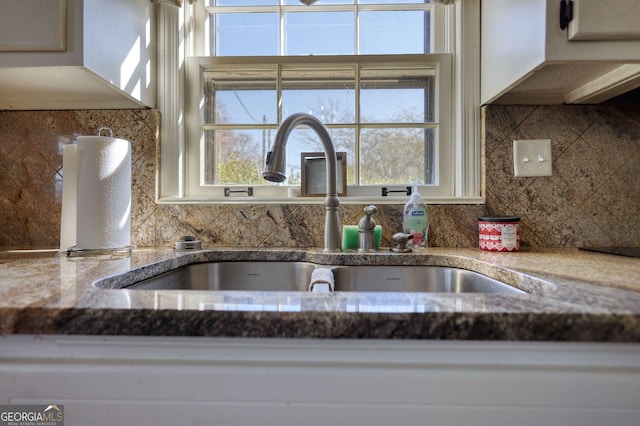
<point x="532" y="157"/>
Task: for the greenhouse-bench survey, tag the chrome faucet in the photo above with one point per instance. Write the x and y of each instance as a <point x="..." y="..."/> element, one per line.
<point x="275" y="164"/>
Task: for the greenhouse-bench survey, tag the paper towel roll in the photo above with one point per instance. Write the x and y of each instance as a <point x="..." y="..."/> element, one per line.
<point x="69" y="193"/>
<point x="104" y="193"/>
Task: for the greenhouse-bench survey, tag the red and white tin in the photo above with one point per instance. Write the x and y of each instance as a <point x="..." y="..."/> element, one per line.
<point x="500" y="233"/>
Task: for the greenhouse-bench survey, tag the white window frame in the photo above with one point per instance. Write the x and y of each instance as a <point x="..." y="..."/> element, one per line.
<point x="180" y="177"/>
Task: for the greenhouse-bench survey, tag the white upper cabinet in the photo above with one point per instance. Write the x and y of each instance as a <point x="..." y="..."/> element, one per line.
<point x="76" y="54"/>
<point x="605" y="20"/>
<point x="33" y="25"/>
<point x="527" y="58"/>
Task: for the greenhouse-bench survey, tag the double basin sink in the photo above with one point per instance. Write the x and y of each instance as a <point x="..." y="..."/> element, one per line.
<point x="296" y="276"/>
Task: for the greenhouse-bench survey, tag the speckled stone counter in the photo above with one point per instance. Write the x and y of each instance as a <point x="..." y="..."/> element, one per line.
<point x="572" y="295"/>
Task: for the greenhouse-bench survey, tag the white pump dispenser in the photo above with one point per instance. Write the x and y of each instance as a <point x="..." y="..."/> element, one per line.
<point x="416" y="220"/>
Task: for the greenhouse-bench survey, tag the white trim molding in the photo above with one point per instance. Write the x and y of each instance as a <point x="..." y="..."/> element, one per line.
<point x="170" y="80"/>
<point x="171" y="2"/>
<point x="178" y="34"/>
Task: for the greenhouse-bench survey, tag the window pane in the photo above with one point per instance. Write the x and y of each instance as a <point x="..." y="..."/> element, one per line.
<point x="328" y="106"/>
<point x="397" y="95"/>
<point x="396" y="1"/>
<point x="245" y="34"/>
<point x="236" y="156"/>
<point x="344" y="140"/>
<point x="240" y="97"/>
<point x="245" y="107"/>
<point x="397" y="156"/>
<point x="298" y="2"/>
<point x="242" y="2"/>
<point x="322" y="33"/>
<point x="303" y="139"/>
<point x="326" y="93"/>
<point x="392" y="106"/>
<point x="394" y="32"/>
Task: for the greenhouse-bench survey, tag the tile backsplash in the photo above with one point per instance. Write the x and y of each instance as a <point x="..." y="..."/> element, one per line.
<point x="591" y="199"/>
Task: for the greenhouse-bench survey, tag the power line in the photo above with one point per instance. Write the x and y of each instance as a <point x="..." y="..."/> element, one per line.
<point x="244" y="107"/>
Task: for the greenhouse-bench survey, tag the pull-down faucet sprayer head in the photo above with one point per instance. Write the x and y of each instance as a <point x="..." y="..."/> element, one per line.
<point x="275" y="163"/>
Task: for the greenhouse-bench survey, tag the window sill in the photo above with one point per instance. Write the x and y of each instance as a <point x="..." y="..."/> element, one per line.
<point x="239" y="200"/>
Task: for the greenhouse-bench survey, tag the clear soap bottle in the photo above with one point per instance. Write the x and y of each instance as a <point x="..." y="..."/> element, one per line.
<point x="416" y="220"/>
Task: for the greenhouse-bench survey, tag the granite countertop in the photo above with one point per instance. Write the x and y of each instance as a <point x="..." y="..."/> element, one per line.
<point x="573" y="295"/>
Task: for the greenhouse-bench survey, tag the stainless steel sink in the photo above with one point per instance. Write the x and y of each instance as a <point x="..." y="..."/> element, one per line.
<point x="296" y="276"/>
<point x="246" y="276"/>
<point x="429" y="279"/>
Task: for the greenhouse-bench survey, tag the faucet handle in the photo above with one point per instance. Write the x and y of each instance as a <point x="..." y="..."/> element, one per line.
<point x="366" y="228"/>
<point x="366" y="222"/>
<point x="370" y="210"/>
<point x="401" y="239"/>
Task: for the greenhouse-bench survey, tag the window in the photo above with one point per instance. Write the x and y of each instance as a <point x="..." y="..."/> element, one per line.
<point x="380" y="75"/>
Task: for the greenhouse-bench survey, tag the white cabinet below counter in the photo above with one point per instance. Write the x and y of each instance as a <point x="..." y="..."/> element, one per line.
<point x="527" y="58"/>
<point x="89" y="54"/>
<point x="103" y="380"/>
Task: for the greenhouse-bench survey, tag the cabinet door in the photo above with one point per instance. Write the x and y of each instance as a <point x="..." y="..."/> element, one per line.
<point x="605" y="20"/>
<point x="33" y="25"/>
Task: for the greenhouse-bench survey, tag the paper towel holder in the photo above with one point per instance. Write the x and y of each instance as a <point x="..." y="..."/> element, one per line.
<point x="117" y="252"/>
<point x="107" y="129"/>
<point x="122" y="251"/>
